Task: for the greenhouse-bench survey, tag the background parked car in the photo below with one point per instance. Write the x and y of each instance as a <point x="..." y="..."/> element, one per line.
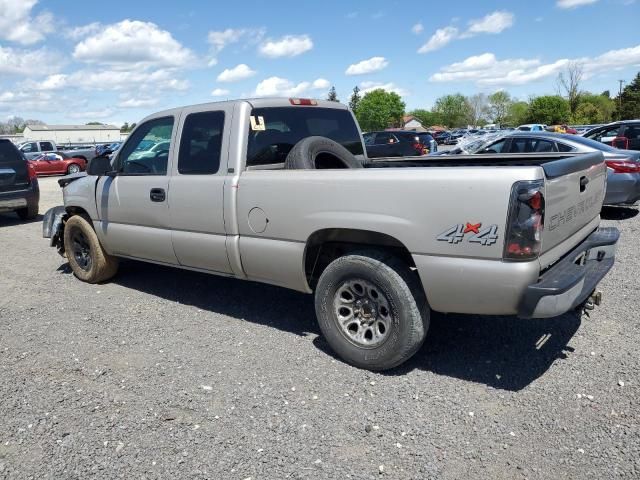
<point x="532" y="127"/>
<point x="394" y="144"/>
<point x="623" y="166"/>
<point x="624" y="134"/>
<point x="58" y="163"/>
<point x="107" y="148"/>
<point x="19" y="190"/>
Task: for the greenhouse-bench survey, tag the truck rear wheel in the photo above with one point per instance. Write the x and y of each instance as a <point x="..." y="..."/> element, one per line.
<point x="371" y="310"/>
<point x="88" y="260"/>
<point x="29" y="212"/>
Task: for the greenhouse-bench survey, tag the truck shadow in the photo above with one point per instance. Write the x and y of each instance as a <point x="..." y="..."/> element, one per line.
<point x="618" y="213"/>
<point x="502" y="352"/>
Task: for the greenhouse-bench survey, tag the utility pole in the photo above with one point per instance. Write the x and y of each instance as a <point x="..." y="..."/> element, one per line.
<point x="620" y="100"/>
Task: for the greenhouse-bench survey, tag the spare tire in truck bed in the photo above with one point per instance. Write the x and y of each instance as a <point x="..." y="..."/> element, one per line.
<point x="320" y="152"/>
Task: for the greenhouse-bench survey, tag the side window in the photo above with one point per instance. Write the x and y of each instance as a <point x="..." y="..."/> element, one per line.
<point x="382" y="138"/>
<point x="563" y="147"/>
<point x="518" y="145"/>
<point x="368" y="138"/>
<point x="46" y="146"/>
<point x="495" y="147"/>
<point x="542" y="146"/>
<point x="30" y="147"/>
<point x="606" y="133"/>
<point x="147" y="151"/>
<point x="201" y="143"/>
<point x="632" y="133"/>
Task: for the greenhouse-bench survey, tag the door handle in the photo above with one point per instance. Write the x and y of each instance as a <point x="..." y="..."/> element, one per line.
<point x="157" y="195"/>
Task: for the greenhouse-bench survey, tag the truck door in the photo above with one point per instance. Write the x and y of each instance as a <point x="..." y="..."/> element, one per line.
<point x="197" y="189"/>
<point x="133" y="205"/>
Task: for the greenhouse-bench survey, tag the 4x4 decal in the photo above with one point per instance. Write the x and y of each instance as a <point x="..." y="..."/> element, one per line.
<point x="456" y="234"/>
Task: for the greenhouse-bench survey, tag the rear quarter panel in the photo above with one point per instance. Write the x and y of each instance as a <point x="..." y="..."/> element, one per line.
<point x="413" y="205"/>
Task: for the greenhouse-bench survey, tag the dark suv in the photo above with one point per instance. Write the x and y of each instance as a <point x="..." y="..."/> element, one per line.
<point x="396" y="143"/>
<point x="624" y="134"/>
<point x="19" y="191"/>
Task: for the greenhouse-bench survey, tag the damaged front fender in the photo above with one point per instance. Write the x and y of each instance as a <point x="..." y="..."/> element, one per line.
<point x="53" y="227"/>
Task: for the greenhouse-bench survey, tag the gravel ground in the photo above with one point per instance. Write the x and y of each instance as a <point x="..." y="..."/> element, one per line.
<point x="165" y="373"/>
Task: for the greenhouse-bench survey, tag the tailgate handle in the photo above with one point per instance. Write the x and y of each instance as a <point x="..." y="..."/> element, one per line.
<point x="583" y="183"/>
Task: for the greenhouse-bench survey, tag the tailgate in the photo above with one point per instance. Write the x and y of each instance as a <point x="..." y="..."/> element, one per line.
<point x="574" y="191"/>
<point x="13" y="168"/>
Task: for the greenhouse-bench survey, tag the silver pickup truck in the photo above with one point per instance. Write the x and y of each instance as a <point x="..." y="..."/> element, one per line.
<point x="280" y="191"/>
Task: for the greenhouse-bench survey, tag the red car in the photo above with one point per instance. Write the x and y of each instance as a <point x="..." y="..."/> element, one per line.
<point x="57" y="163"/>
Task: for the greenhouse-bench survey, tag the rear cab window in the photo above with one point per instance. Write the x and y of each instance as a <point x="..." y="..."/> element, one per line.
<point x="275" y="130"/>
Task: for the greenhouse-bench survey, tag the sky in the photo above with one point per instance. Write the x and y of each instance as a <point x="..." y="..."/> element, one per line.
<point x="71" y="61"/>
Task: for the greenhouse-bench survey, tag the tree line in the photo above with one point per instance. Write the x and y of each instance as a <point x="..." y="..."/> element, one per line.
<point x="379" y="109"/>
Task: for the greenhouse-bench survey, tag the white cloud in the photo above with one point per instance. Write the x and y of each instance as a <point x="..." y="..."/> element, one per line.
<point x="373" y="64"/>
<point x="495" y="22"/>
<point x="320" y="84"/>
<point x="486" y="69"/>
<point x="235" y="74"/>
<point x="133" y="43"/>
<point x="220" y="92"/>
<point x="80" y="32"/>
<point x="138" y="103"/>
<point x="366" y="87"/>
<point x="18" y="25"/>
<point x="439" y="39"/>
<point x="282" y="87"/>
<point x="28" y="62"/>
<point x="221" y="39"/>
<point x="57" y="81"/>
<point x="573" y="3"/>
<point x="287" y="46"/>
<point x="418" y="28"/>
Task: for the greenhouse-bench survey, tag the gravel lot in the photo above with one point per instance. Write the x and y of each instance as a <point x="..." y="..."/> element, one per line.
<point x="173" y="374"/>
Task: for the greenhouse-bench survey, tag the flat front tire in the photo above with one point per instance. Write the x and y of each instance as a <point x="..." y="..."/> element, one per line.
<point x="371" y="310"/>
<point x="88" y="260"/>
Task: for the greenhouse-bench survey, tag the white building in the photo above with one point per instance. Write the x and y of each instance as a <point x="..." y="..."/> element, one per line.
<point x="73" y="133"/>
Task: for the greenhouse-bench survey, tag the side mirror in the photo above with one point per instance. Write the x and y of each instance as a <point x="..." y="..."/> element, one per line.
<point x="99" y="166"/>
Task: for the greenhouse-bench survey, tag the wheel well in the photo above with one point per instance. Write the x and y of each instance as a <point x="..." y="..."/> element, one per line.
<point x="326" y="245"/>
<point x="79" y="211"/>
<point x="82" y="157"/>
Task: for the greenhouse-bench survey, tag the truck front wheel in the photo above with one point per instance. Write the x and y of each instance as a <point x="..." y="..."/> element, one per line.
<point x="88" y="260"/>
<point x="372" y="310"/>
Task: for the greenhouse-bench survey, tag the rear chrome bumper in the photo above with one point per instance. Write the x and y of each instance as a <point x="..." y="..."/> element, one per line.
<point x="15" y="200"/>
<point x="570" y="282"/>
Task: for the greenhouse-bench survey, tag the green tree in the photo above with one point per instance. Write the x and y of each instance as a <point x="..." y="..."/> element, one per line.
<point x="125" y="127"/>
<point x="628" y="104"/>
<point x="355" y="99"/>
<point x="517" y="113"/>
<point x="454" y="110"/>
<point x="594" y="109"/>
<point x="380" y="109"/>
<point x="549" y="109"/>
<point x="426" y="117"/>
<point x="499" y="104"/>
<point x="94" y="123"/>
<point x="332" y="96"/>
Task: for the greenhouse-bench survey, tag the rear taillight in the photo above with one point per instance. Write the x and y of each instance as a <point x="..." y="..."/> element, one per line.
<point x="31" y="171"/>
<point x="526" y="221"/>
<point x="623" y="166"/>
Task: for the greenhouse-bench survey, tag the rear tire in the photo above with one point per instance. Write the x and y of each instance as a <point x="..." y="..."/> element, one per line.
<point x="88" y="260"/>
<point x="371" y="310"/>
<point x="73" y="168"/>
<point x="30" y="212"/>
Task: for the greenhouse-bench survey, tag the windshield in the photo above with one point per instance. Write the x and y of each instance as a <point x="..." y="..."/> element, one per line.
<point x="274" y="131"/>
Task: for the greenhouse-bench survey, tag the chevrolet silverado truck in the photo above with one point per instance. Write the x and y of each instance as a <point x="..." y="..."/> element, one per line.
<point x="280" y="191"/>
